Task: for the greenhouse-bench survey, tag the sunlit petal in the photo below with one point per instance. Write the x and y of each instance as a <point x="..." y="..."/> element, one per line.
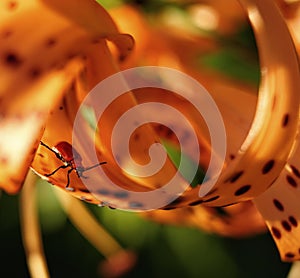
<point x="42" y="48"/>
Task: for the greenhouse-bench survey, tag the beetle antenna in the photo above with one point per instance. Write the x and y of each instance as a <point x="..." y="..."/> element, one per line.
<point x="46" y="146"/>
<point x="94" y="166"/>
<point x="56" y="153"/>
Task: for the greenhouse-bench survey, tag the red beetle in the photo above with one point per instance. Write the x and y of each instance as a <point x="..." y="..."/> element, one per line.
<point x="71" y="158"/>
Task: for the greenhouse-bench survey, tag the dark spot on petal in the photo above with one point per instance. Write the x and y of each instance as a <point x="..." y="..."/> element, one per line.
<point x="169" y="208"/>
<point x="70" y="56"/>
<point x="286" y="225"/>
<point x="35" y="73"/>
<point x="289" y="255"/>
<point x="12" y="5"/>
<point x="121" y="194"/>
<point x="97" y="40"/>
<point x="6" y="34"/>
<point x="136" y="205"/>
<point x="186" y="135"/>
<point x="170" y="133"/>
<point x="177" y="201"/>
<point x="61" y="107"/>
<point x="103" y="192"/>
<point x="278" y="205"/>
<point x="234" y="177"/>
<point x="190" y="209"/>
<point x="211" y="199"/>
<point x="285" y="120"/>
<point x="195" y="203"/>
<point x="268" y="166"/>
<point x="136" y="137"/>
<point x="220" y="211"/>
<point x="231" y="156"/>
<point x="295" y="171"/>
<point x="12" y="59"/>
<point x="84" y="190"/>
<point x="158" y="128"/>
<point x="291" y="181"/>
<point x="293" y="221"/>
<point x="40" y="154"/>
<point x="50" y="42"/>
<point x="276" y="233"/>
<point x="122" y="58"/>
<point x="242" y="190"/>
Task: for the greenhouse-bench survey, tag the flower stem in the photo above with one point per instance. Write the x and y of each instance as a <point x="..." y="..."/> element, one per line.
<point x="31" y="233"/>
<point x="89" y="227"/>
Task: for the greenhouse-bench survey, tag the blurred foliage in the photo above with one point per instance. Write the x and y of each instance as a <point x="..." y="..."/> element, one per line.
<point x="237" y="58"/>
<point x="163" y="251"/>
<point x="185" y="164"/>
<point x="108" y="4"/>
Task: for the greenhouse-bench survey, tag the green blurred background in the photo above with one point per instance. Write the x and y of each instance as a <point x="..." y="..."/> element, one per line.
<point x="163" y="251"/>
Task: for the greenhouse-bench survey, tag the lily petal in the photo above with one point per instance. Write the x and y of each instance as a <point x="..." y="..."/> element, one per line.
<point x="279" y="204"/>
<point x="37" y="65"/>
<point x="270" y="140"/>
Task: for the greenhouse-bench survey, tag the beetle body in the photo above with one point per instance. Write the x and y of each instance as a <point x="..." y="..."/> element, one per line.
<point x="71" y="159"/>
<point x="69" y="156"/>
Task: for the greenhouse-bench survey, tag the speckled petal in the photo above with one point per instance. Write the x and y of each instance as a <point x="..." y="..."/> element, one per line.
<point x="42" y="47"/>
<point x="99" y="65"/>
<point x="279" y="206"/>
<point x="238" y="221"/>
<point x="271" y="138"/>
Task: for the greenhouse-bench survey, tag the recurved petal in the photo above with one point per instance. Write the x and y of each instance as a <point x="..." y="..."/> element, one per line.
<point x="42" y="48"/>
<point x="99" y="64"/>
<point x="238" y="221"/>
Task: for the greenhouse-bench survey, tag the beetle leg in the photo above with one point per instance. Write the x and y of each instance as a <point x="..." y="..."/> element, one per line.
<point x="68" y="176"/>
<point x="60" y="167"/>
